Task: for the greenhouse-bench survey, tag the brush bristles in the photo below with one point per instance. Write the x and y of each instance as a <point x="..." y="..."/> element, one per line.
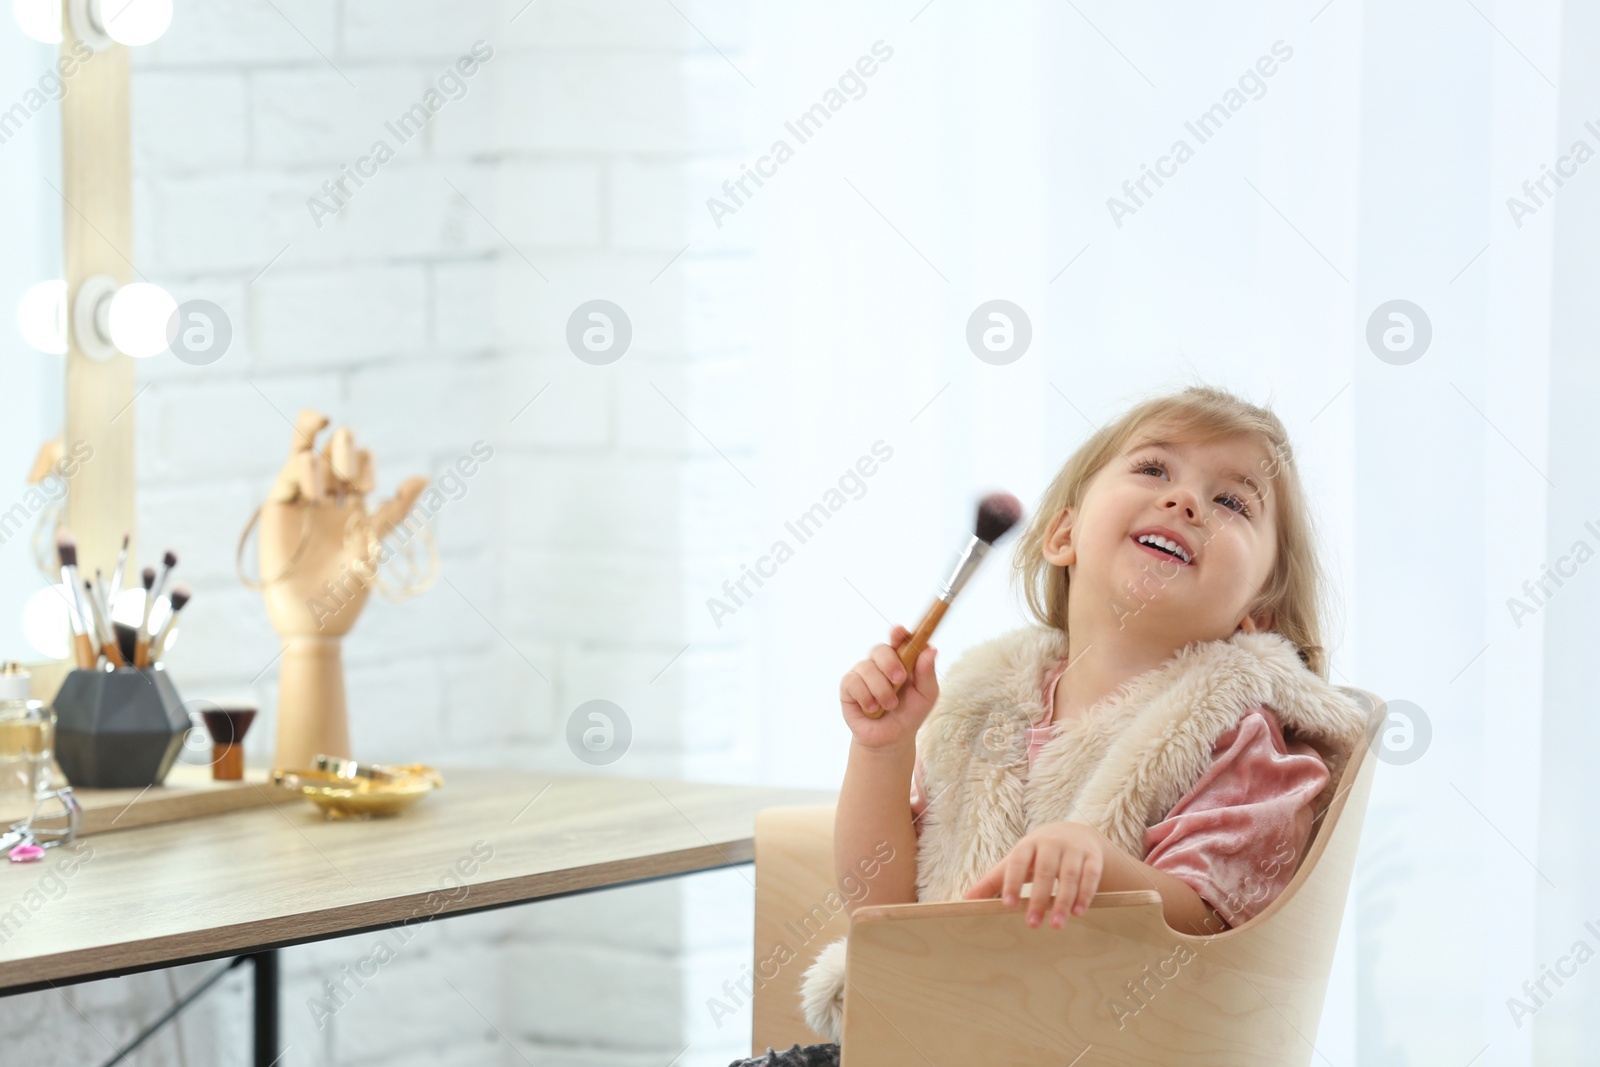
<point x="997" y="513"/>
<point x="67" y="549"/>
<point x="180" y="597"/>
<point x="148" y="577"/>
<point x="170" y="559"/>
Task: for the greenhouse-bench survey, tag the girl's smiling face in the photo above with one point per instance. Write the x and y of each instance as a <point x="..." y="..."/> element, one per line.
<point x="1175" y="536"/>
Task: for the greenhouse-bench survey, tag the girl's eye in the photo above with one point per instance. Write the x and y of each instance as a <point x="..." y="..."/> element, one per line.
<point x="1232" y="501"/>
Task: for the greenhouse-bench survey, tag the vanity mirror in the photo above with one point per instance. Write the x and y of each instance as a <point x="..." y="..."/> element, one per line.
<point x="81" y="310"/>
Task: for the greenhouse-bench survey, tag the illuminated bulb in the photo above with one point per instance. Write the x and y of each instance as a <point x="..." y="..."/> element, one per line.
<point x="47" y="622"/>
<point x="103" y="23"/>
<point x="42" y="316"/>
<point x="39" y="19"/>
<point x="132" y="22"/>
<point x="129" y="603"/>
<point x="136" y="319"/>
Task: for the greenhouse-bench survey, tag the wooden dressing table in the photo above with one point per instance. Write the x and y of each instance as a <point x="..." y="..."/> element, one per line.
<point x="247" y="883"/>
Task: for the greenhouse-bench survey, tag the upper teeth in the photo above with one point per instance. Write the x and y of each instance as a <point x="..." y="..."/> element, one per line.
<point x="1161" y="542"/>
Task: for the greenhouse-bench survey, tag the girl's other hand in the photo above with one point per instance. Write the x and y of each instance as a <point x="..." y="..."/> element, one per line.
<point x="870" y="685"/>
<point x="1066" y="852"/>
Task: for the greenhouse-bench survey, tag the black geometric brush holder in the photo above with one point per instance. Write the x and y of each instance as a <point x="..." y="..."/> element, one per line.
<point x="118" y="729"/>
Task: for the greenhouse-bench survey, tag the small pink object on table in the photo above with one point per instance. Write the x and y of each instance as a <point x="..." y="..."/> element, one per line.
<point x="26" y="854"/>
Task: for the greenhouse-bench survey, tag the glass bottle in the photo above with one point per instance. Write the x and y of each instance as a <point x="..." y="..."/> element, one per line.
<point x="27" y="734"/>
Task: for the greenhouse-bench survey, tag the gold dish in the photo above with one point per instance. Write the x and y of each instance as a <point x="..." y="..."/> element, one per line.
<point x="349" y="768"/>
<point x="362" y="798"/>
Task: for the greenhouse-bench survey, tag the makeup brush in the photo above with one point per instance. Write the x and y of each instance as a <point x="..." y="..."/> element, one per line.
<point x="122" y="563"/>
<point x="102" y="602"/>
<point x="997" y="513"/>
<point x="67" y="552"/>
<point x="108" y="636"/>
<point x="101" y="626"/>
<point x="92" y="619"/>
<point x="168" y="561"/>
<point x="180" y="597"/>
<point x="141" y="657"/>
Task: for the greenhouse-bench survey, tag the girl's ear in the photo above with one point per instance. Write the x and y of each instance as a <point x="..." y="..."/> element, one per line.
<point x="1057" y="547"/>
<point x="1261" y="620"/>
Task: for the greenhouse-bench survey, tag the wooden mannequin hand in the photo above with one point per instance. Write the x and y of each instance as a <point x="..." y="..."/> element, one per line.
<point x="318" y="562"/>
<point x="393" y="510"/>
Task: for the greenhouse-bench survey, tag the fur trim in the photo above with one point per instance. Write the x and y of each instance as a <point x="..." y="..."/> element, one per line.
<point x="822" y="992"/>
<point x="974" y="732"/>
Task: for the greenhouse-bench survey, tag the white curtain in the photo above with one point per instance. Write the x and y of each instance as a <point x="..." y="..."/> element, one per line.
<point x="1372" y="164"/>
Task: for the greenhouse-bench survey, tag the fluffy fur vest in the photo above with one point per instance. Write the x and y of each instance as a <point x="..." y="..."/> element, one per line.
<point x="1120" y="767"/>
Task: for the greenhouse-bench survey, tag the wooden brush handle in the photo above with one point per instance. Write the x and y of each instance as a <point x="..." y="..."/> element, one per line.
<point x="85" y="651"/>
<point x="914" y="645"/>
<point x="920" y="638"/>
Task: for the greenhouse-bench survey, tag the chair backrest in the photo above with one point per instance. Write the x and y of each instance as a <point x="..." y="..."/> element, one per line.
<point x="1117" y="985"/>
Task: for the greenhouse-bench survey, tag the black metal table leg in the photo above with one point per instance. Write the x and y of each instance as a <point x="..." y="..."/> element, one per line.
<point x="266" y="1009"/>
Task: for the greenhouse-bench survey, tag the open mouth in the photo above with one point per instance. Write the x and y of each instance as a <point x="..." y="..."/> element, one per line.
<point x="1162" y="546"/>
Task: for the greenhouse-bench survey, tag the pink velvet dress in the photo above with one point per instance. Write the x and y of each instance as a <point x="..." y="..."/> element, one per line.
<point x="1238" y="835"/>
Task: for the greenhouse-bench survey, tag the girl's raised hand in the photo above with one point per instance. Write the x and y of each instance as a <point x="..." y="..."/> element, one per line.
<point x="869" y="685"/>
<point x="1066" y="852"/>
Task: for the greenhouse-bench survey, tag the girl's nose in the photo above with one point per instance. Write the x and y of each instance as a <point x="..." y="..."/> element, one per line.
<point x="1185" y="500"/>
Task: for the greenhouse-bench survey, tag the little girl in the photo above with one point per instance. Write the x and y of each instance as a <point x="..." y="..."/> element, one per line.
<point x="1167" y="724"/>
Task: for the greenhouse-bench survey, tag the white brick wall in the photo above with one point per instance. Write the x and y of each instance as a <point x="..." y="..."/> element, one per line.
<point x="341" y="316"/>
<point x="578" y="552"/>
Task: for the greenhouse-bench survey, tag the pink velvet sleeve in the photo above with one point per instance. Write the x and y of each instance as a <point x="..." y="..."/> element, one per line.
<point x="1238" y="836"/>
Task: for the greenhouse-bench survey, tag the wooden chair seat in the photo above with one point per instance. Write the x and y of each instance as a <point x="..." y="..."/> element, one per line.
<point x="970" y="984"/>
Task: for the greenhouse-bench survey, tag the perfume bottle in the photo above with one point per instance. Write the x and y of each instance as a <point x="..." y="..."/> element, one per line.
<point x="27" y="731"/>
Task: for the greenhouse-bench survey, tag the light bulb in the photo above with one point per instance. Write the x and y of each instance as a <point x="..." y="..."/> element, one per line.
<point x="128" y="608"/>
<point x="42" y="316"/>
<point x="136" y="321"/>
<point x="39" y="19"/>
<point x="47" y="622"/>
<point x="134" y="22"/>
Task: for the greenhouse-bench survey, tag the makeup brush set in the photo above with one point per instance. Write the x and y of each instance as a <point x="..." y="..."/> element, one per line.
<point x="119" y="720"/>
<point x="96" y="634"/>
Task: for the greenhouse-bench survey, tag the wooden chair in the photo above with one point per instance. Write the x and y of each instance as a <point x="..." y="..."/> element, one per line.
<point x="970" y="984"/>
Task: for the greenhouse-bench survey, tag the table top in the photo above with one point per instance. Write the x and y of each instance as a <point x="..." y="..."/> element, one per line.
<point x="281" y="874"/>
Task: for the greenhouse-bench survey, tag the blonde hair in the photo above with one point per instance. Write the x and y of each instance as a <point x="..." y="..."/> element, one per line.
<point x="1293" y="592"/>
